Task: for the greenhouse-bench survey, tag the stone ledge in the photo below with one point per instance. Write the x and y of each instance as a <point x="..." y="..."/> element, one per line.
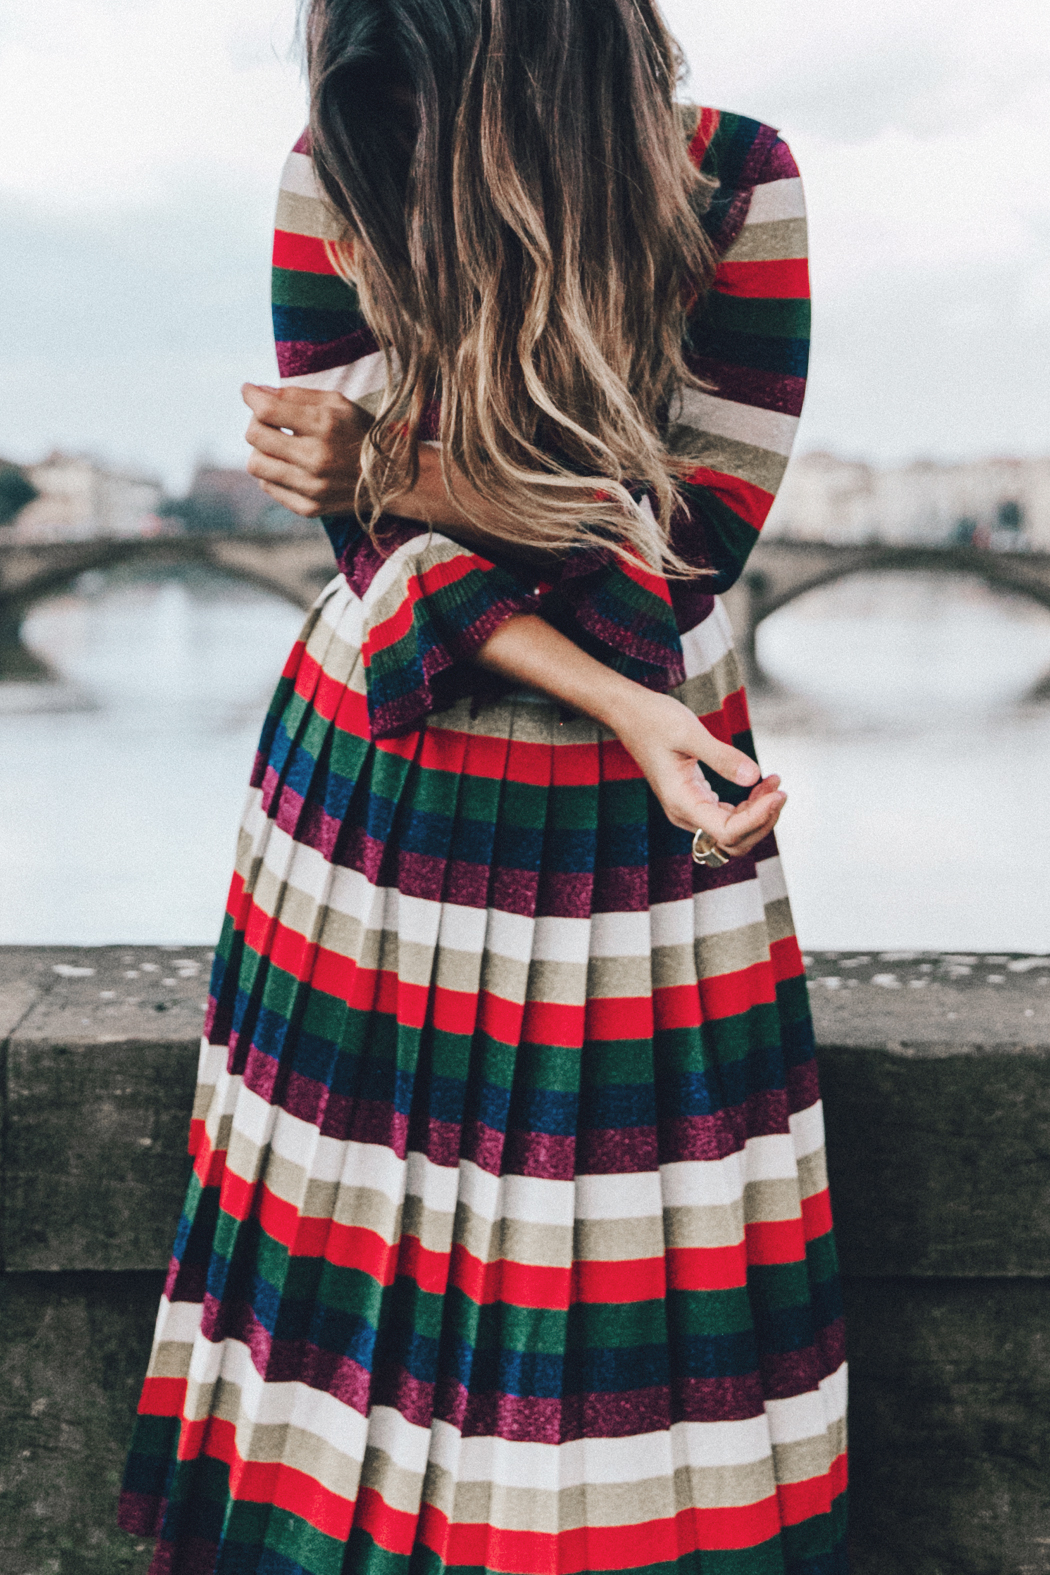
<point x="936" y="1074"/>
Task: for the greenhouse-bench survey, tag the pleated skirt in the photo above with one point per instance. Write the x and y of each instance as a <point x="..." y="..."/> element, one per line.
<point x="507" y="1246"/>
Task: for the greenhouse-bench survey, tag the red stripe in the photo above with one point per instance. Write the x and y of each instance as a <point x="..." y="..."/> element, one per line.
<point x="637" y="1280"/>
<point x="783" y="278"/>
<point x="750" y="502"/>
<point x="816" y="1215"/>
<point x="733" y="994"/>
<point x="438" y="577"/>
<point x="393" y="1529"/>
<point x="706" y="1268"/>
<point x="775" y="1241"/>
<point x="300" y="253"/>
<point x="801" y="1501"/>
<point x="786" y="958"/>
<point x="677" y="1006"/>
<point x="271" y="1482"/>
<point x="163" y="1397"/>
<point x="586" y="1548"/>
<point x="730" y="720"/>
<point x="706" y="127"/>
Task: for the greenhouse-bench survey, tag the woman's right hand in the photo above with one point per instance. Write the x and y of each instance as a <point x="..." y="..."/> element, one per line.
<point x="668" y="742"/>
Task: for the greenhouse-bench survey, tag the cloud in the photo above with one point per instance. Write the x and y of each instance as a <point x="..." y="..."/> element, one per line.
<point x="143" y="141"/>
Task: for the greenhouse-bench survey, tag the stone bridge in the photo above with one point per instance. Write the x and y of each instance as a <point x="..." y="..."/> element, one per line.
<point x="293" y="565"/>
<point x="780" y="571"/>
<point x="297" y="564"/>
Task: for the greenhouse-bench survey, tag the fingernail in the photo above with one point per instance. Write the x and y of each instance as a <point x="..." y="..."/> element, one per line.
<point x="748" y="774"/>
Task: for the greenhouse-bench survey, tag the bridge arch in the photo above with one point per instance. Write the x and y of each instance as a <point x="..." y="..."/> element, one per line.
<point x="293" y="566"/>
<point x="781" y="572"/>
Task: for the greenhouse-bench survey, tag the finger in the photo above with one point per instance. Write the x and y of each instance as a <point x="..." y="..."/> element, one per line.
<point x="305" y="507"/>
<point x="767" y="785"/>
<point x="272" y="441"/>
<point x="291" y="477"/>
<point x="301" y="410"/>
<point x="730" y="763"/>
<point x="752" y="820"/>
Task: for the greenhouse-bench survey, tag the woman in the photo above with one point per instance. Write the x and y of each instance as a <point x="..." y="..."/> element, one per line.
<point x="507" y="1246"/>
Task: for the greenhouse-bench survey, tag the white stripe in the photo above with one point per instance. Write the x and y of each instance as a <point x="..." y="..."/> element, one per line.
<point x="777" y="199"/>
<point x="529" y="1199"/>
<point x="728" y="908"/>
<point x="560" y="940"/>
<point x="211" y="1063"/>
<point x="366" y="375"/>
<point x="509" y="935"/>
<point x="770" y="1157"/>
<point x="606" y="1461"/>
<point x="771" y="879"/>
<point x="807" y="1130"/>
<point x="808" y="1415"/>
<point x="621" y="934"/>
<point x="407" y="1444"/>
<point x="178" y="1322"/>
<point x="298" y="177"/>
<point x="706" y="644"/>
<point x="628" y="1196"/>
<point x="765" y="429"/>
<point x="268" y="1404"/>
<point x="700" y="1183"/>
<point x="673" y="923"/>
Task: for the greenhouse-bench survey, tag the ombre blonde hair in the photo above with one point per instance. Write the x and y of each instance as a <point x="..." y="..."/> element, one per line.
<point x="525" y="241"/>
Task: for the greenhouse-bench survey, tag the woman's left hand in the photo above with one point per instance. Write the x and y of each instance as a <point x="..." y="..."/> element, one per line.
<point x="306" y="447"/>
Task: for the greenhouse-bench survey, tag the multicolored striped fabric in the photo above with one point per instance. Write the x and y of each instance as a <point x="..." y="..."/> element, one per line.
<point x="508" y="1246"/>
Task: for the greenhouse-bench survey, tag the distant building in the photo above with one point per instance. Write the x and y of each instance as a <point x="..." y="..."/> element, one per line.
<point x="77" y="498"/>
<point x="225" y="499"/>
<point x="991" y="502"/>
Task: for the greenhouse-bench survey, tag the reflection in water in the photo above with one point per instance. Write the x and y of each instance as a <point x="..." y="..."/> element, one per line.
<point x="118" y="823"/>
<point x="917" y="778"/>
<point x="916" y="817"/>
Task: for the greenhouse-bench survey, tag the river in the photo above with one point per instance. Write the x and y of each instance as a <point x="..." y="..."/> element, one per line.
<point x="918" y="775"/>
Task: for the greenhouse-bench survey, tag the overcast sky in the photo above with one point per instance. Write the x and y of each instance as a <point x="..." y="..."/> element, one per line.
<point x="141" y="142"/>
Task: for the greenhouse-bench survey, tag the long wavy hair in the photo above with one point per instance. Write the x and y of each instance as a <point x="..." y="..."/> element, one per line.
<point x="523" y="229"/>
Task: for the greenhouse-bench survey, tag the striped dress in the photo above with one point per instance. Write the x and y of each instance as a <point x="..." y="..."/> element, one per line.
<point x="507" y="1246"/>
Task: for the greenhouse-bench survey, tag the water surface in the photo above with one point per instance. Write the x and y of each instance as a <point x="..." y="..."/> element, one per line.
<point x="917" y="775"/>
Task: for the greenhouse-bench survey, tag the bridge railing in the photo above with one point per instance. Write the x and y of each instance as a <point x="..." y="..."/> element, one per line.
<point x="936" y="1076"/>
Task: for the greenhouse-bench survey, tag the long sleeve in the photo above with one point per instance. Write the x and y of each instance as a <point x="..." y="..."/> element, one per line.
<point x="747" y="341"/>
<point x="429" y="603"/>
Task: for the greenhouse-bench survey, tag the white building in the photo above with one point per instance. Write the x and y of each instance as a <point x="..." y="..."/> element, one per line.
<point x="998" y="502"/>
<point x="79" y="498"/>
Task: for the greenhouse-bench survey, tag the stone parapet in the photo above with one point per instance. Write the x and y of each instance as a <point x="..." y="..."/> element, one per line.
<point x="936" y="1079"/>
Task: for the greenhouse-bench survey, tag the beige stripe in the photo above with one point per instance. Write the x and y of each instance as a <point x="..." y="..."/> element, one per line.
<point x="767" y="1201"/>
<point x="308" y="216"/>
<point x="804" y="1458"/>
<point x="396" y="1485"/>
<point x="812" y="1173"/>
<point x="761" y="467"/>
<point x="779" y="923"/>
<point x="711" y="1225"/>
<point x="269" y="1442"/>
<point x="516" y="1241"/>
<point x="170" y="1359"/>
<point x="673" y="965"/>
<point x="706" y="693"/>
<point x="608" y="977"/>
<point x="562" y="984"/>
<point x="616" y="1241"/>
<point x="779" y="239"/>
<point x="730" y="950"/>
<point x="597" y="1504"/>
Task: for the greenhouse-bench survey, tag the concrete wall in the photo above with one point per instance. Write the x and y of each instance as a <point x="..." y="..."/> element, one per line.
<point x="937" y="1086"/>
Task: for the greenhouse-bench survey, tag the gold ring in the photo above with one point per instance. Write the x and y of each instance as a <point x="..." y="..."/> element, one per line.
<point x="706" y="850"/>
